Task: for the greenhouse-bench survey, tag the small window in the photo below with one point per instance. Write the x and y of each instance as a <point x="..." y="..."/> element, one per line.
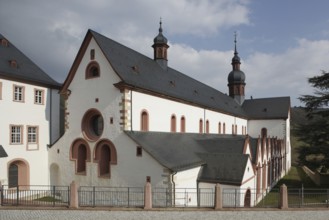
<point x="182" y="124"/>
<point x="139" y="151"/>
<point x="173" y="123"/>
<point x="32" y="135"/>
<point x="264" y="132"/>
<point x="92" y="70"/>
<point x="16" y="134"/>
<point x="207" y="127"/>
<point x="18" y="93"/>
<point x="224" y="128"/>
<point x="38" y="96"/>
<point x="92" y="54"/>
<point x="201" y="126"/>
<point x="144" y="121"/>
<point x="148" y="179"/>
<point x="219" y="128"/>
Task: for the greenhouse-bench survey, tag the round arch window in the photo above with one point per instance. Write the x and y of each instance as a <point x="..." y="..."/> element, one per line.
<point x="92" y="70"/>
<point x="92" y="125"/>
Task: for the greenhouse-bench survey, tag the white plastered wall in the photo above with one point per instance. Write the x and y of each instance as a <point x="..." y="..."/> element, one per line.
<point x="28" y="114"/>
<point x="130" y="169"/>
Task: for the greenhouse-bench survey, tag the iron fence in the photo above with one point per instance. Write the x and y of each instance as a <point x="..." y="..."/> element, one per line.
<point x="308" y="197"/>
<point x="183" y="197"/>
<point x="245" y="198"/>
<point x="94" y="196"/>
<point x="33" y="195"/>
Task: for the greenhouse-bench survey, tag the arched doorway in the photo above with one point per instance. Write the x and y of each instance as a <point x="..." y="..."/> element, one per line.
<point x="247" y="199"/>
<point x="18" y="173"/>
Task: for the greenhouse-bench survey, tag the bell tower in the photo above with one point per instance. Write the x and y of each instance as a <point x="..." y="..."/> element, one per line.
<point x="160" y="47"/>
<point x="236" y="78"/>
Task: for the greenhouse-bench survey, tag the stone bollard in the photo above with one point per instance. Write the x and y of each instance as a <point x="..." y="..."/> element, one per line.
<point x="283" y="197"/>
<point x="218" y="197"/>
<point x="148" y="196"/>
<point x="74" y="202"/>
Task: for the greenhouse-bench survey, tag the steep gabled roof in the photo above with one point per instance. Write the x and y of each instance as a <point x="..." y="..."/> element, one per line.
<point x="23" y="69"/>
<point x="267" y="108"/>
<point x="139" y="71"/>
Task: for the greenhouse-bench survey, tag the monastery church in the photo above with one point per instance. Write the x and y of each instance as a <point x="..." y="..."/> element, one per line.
<point x="123" y="119"/>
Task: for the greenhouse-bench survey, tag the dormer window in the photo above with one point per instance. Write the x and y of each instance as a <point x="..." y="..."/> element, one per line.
<point x="13" y="64"/>
<point x="4" y="42"/>
<point x="92" y="70"/>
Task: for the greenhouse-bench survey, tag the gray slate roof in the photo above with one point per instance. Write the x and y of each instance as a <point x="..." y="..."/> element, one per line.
<point x="223" y="168"/>
<point x="221" y="155"/>
<point x="142" y="72"/>
<point x="2" y="152"/>
<point x="26" y="71"/>
<point x="267" y="108"/>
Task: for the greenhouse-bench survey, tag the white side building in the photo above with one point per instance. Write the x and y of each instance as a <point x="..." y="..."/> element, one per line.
<point x="30" y="118"/>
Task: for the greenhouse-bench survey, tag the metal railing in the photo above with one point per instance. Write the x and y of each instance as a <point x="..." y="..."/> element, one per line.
<point x="183" y="197"/>
<point x="95" y="196"/>
<point x="33" y="195"/>
<point x="308" y="197"/>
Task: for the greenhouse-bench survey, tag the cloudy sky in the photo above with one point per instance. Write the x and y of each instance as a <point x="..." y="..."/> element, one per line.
<point x="281" y="43"/>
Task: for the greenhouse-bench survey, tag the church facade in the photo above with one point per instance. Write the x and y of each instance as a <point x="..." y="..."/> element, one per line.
<point x="130" y="119"/>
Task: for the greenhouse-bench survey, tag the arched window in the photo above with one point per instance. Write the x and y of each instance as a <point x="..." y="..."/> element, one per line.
<point x="219" y="128"/>
<point x="207" y="127"/>
<point x="105" y="156"/>
<point x="173" y="123"/>
<point x="224" y="128"/>
<point x="233" y="129"/>
<point x="201" y="126"/>
<point x="264" y="132"/>
<point x="80" y="153"/>
<point x="144" y="121"/>
<point x="92" y="70"/>
<point x="182" y="124"/>
<point x="236" y="129"/>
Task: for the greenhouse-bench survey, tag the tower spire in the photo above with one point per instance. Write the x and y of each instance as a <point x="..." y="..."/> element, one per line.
<point x="236" y="78"/>
<point x="160" y="48"/>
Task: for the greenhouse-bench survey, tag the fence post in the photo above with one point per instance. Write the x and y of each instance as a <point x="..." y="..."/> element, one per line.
<point x="74" y="203"/>
<point x="283" y="197"/>
<point x="148" y="196"/>
<point x="218" y="197"/>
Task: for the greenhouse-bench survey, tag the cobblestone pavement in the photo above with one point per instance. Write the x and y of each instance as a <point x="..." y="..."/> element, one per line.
<point x="300" y="214"/>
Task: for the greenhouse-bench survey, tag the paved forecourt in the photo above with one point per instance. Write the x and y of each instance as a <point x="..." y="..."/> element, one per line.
<point x="12" y="214"/>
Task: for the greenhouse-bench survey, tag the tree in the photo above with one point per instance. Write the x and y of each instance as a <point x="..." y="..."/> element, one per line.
<point x="315" y="132"/>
